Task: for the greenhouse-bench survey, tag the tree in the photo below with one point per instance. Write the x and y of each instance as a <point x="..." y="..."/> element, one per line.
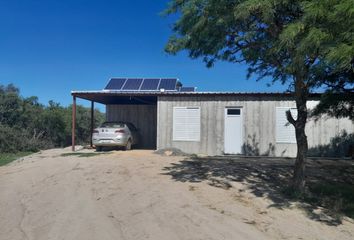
<point x="83" y="123"/>
<point x="27" y="125"/>
<point x="338" y="100"/>
<point x="290" y="41"/>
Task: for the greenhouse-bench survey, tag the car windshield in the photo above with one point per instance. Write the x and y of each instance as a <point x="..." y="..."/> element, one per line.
<point x="112" y="125"/>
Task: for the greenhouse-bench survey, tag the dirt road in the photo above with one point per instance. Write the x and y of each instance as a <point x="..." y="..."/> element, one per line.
<point x="128" y="195"/>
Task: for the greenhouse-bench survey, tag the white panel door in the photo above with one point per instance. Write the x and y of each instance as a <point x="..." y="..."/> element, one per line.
<point x="233" y="131"/>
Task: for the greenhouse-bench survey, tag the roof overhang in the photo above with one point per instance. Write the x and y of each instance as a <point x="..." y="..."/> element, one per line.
<point x="150" y="97"/>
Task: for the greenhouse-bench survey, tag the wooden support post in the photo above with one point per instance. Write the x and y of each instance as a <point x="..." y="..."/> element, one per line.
<point x="92" y="121"/>
<point x="73" y="124"/>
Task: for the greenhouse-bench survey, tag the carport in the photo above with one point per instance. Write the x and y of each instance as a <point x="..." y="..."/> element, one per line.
<point x="131" y="100"/>
<point x="139" y="108"/>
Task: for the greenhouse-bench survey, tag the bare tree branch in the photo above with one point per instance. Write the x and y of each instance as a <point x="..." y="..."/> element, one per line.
<point x="290" y="118"/>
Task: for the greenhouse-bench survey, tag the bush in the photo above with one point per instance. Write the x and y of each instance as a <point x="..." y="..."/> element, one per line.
<point x="339" y="146"/>
<point x="26" y="125"/>
<point x="17" y="140"/>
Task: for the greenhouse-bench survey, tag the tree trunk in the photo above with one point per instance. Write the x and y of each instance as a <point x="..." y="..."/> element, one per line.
<point x="301" y="95"/>
<point x="302" y="147"/>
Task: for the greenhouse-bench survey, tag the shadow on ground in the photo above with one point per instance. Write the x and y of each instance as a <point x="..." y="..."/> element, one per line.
<point x="330" y="182"/>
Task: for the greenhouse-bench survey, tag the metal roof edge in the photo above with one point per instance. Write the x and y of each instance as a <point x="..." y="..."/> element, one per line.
<point x="112" y="92"/>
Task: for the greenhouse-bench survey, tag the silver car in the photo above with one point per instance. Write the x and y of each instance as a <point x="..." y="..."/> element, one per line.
<point x="109" y="134"/>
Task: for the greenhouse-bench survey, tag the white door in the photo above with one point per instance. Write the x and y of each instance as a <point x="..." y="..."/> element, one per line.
<point x="233" y="131"/>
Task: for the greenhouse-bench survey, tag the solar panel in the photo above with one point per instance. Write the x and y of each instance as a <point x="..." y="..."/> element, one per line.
<point x="168" y="83"/>
<point x="132" y="84"/>
<point x="147" y="84"/>
<point x="115" y="83"/>
<point x="150" y="84"/>
<point x="187" y="89"/>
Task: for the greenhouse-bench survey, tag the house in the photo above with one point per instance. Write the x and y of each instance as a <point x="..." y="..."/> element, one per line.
<point x="212" y="123"/>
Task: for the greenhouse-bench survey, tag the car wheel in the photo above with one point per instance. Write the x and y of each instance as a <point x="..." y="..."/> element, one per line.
<point x="99" y="149"/>
<point x="129" y="145"/>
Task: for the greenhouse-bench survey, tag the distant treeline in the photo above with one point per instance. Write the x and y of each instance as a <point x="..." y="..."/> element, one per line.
<point x="27" y="125"/>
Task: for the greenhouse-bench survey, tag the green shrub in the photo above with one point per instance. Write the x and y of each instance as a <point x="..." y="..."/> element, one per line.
<point x="27" y="125"/>
<point x="339" y="146"/>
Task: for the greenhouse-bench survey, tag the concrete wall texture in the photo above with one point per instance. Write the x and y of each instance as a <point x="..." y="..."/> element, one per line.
<point x="259" y="124"/>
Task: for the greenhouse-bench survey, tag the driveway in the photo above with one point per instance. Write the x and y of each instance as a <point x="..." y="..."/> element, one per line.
<point x="132" y="195"/>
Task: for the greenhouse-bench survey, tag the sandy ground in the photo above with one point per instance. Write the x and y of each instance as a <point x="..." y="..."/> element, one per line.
<point x="128" y="195"/>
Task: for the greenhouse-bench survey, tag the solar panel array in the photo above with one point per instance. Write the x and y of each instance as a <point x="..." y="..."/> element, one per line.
<point x="142" y="84"/>
<point x="146" y="84"/>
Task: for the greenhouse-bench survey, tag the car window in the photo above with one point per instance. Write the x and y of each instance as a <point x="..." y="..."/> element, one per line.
<point x="112" y="125"/>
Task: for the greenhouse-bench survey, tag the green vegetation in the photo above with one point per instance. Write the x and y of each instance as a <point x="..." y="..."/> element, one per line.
<point x="336" y="198"/>
<point x="28" y="126"/>
<point x="305" y="45"/>
<point x="339" y="146"/>
<point x="6" y="158"/>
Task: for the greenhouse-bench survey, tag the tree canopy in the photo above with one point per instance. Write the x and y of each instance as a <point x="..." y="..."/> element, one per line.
<point x="276" y="38"/>
<point x="306" y="45"/>
<point x="27" y="125"/>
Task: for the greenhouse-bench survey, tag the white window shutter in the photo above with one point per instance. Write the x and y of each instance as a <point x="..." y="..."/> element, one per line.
<point x="186" y="124"/>
<point x="285" y="131"/>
